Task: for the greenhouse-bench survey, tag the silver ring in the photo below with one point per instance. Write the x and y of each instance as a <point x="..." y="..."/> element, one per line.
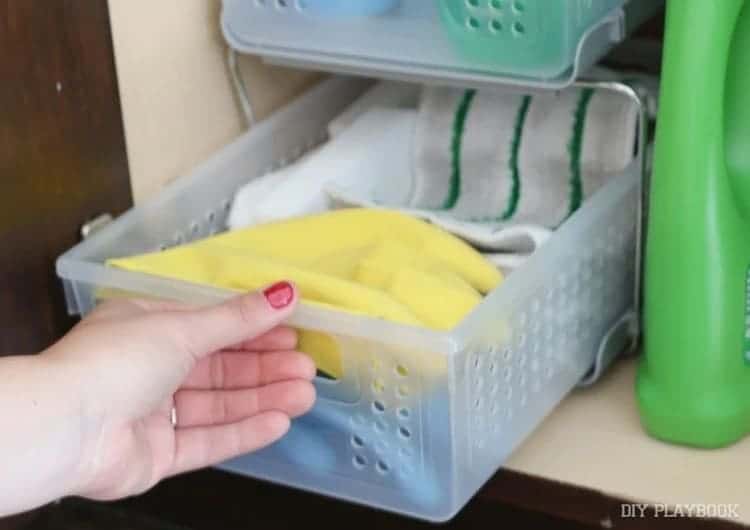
<point x="173" y="416"/>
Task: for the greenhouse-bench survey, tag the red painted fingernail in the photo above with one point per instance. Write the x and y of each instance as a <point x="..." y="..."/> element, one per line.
<point x="279" y="295"/>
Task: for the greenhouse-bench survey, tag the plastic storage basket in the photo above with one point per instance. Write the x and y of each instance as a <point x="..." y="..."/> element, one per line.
<point x="469" y="42"/>
<point x="420" y="419"/>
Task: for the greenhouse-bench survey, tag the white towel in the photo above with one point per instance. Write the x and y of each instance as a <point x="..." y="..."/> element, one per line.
<point x="371" y="155"/>
<point x="503" y="170"/>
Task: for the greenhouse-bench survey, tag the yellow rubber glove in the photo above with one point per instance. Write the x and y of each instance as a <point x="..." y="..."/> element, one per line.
<point x="371" y="262"/>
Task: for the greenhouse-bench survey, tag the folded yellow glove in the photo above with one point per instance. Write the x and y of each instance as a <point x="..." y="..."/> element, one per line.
<point x="373" y="262"/>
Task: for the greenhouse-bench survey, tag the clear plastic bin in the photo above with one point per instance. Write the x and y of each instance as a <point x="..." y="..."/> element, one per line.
<point x="470" y="42"/>
<point x="420" y="419"/>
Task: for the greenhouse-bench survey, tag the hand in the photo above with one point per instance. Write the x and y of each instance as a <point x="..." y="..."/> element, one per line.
<point x="230" y="372"/>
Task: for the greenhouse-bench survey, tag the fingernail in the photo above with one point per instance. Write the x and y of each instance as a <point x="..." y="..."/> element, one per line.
<point x="279" y="295"/>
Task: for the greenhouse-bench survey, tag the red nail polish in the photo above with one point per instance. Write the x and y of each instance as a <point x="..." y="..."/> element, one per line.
<point x="279" y="295"/>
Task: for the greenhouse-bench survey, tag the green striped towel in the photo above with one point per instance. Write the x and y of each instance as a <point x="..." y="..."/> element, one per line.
<point x="500" y="169"/>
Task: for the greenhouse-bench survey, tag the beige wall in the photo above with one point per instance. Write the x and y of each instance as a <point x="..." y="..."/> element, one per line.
<point x="177" y="99"/>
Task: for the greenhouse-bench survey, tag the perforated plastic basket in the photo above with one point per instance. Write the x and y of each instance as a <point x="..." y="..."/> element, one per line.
<point x="542" y="43"/>
<point x="420" y="419"/>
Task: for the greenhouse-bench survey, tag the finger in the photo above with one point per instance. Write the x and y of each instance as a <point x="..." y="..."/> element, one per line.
<point x="219" y="407"/>
<point x="244" y="317"/>
<point x="199" y="447"/>
<point x="279" y="338"/>
<point x="233" y="370"/>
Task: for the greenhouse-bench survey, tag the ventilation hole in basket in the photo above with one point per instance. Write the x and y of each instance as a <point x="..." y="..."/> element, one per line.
<point x="494" y="388"/>
<point x="403" y="391"/>
<point x="211" y="216"/>
<point x="403" y="413"/>
<point x="518" y="7"/>
<point x="496" y="26"/>
<point x="402" y="370"/>
<point x="194" y="229"/>
<point x="492" y="368"/>
<point x="477" y="404"/>
<point x="382" y="467"/>
<point x="493" y="408"/>
<point x="507" y="355"/>
<point x="472" y="3"/>
<point x="378" y="386"/>
<point x="404" y="433"/>
<point x="357" y="442"/>
<point x="507" y="373"/>
<point x="282" y="4"/>
<point x="518" y="29"/>
<point x="163" y="247"/>
<point x="472" y="23"/>
<point x="301" y="5"/>
<point x="521" y="340"/>
<point x="496" y="4"/>
<point x="477" y="362"/>
<point x="378" y="407"/>
<point x="359" y="461"/>
<point x="226" y="204"/>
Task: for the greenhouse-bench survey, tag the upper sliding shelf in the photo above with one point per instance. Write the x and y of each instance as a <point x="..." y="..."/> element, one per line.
<point x="542" y="44"/>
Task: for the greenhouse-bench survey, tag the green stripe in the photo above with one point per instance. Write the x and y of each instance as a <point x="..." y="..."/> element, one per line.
<point x="574" y="149"/>
<point x="515" y="188"/>
<point x="459" y="124"/>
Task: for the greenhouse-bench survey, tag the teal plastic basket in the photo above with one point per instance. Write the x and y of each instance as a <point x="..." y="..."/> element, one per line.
<point x="539" y="36"/>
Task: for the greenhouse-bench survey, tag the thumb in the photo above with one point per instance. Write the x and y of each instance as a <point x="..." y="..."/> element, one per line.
<point x="244" y="317"/>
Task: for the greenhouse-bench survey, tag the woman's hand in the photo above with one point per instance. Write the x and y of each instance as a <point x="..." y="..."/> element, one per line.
<point x="161" y="389"/>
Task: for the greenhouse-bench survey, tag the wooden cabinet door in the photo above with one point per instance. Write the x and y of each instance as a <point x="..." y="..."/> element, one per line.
<point x="62" y="154"/>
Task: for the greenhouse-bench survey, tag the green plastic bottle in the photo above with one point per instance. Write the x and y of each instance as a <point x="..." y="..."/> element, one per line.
<point x="693" y="385"/>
